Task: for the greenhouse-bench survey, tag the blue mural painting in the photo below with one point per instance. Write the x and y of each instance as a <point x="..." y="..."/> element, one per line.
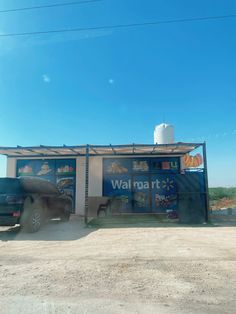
<point x="141" y="199"/>
<point x="61" y="172"/>
<point x="145" y="184"/>
<point x="164" y="193"/>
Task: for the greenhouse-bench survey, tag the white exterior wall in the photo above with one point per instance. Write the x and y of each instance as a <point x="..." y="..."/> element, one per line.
<point x="95" y="176"/>
<point x="11" y="167"/>
<point x="95" y="181"/>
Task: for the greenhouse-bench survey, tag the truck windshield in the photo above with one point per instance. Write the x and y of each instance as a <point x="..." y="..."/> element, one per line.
<point x="9" y="186"/>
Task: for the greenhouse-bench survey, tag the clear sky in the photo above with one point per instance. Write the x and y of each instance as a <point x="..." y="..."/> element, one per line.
<point x="114" y="86"/>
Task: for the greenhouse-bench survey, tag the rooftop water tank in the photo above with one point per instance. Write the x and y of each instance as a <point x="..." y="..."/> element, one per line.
<point x="164" y="134"/>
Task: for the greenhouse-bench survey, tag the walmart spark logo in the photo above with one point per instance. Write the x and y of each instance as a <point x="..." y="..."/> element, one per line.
<point x="168" y="184"/>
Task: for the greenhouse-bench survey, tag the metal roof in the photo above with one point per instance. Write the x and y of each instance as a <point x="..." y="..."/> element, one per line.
<point x="100" y="150"/>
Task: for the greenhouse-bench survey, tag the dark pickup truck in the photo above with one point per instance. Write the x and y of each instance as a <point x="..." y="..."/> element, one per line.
<point x="30" y="201"/>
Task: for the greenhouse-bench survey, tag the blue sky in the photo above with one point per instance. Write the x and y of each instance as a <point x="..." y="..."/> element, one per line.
<point x="114" y="86"/>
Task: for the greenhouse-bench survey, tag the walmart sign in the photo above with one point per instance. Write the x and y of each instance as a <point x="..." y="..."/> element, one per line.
<point x="167" y="184"/>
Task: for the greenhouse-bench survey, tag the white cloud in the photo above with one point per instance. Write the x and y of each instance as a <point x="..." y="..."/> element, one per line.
<point x="111" y="81"/>
<point x="46" y="78"/>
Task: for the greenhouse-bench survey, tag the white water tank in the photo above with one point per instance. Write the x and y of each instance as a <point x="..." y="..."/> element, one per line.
<point x="164" y="134"/>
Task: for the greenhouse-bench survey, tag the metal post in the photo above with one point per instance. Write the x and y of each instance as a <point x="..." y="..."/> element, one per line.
<point x="86" y="185"/>
<point x="206" y="182"/>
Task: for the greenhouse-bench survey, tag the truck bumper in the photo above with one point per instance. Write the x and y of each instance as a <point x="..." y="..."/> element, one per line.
<point x="8" y="220"/>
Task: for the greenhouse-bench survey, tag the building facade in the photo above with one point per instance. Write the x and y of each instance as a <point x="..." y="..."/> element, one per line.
<point x="143" y="178"/>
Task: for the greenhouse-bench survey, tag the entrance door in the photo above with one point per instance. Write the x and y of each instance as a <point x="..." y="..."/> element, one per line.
<point x="141" y="194"/>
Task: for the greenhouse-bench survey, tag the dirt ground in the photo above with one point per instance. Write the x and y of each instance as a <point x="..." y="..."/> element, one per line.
<point x="223" y="203"/>
<point x="67" y="268"/>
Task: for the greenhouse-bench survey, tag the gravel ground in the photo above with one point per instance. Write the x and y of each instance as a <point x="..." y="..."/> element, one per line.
<point x="66" y="268"/>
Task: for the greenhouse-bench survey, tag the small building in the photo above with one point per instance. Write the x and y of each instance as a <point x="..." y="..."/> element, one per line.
<point x="166" y="179"/>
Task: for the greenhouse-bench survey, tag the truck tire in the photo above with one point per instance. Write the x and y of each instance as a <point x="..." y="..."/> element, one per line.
<point x="65" y="216"/>
<point x="33" y="216"/>
<point x="34" y="221"/>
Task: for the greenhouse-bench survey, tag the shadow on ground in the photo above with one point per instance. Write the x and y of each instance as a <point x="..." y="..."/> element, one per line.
<point x="151" y="221"/>
<point x="75" y="229"/>
<point x="54" y="230"/>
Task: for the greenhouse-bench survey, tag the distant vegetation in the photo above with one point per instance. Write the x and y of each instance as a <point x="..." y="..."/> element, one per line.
<point x="219" y="193"/>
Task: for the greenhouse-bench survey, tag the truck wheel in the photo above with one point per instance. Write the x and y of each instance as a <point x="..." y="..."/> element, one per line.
<point x="34" y="221"/>
<point x="65" y="216"/>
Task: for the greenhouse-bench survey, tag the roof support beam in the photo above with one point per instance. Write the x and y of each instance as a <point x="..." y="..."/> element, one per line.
<point x="86" y="208"/>
<point x="206" y="182"/>
<point x="99" y="150"/>
<point x="19" y="153"/>
<point x="54" y="151"/>
<point x="94" y="150"/>
<point x="34" y="151"/>
<point x="153" y="150"/>
<point x="71" y="149"/>
<point x="50" y="149"/>
<point x="113" y="149"/>
<point x="133" y="148"/>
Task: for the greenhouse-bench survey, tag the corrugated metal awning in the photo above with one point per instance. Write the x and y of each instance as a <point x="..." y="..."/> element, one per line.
<point x="100" y="150"/>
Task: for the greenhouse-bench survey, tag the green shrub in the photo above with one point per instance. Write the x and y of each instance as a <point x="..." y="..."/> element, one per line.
<point x="220" y="192"/>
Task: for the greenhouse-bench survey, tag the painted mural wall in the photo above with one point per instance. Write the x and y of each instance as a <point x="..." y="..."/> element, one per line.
<point x="61" y="172"/>
<point x="142" y="184"/>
